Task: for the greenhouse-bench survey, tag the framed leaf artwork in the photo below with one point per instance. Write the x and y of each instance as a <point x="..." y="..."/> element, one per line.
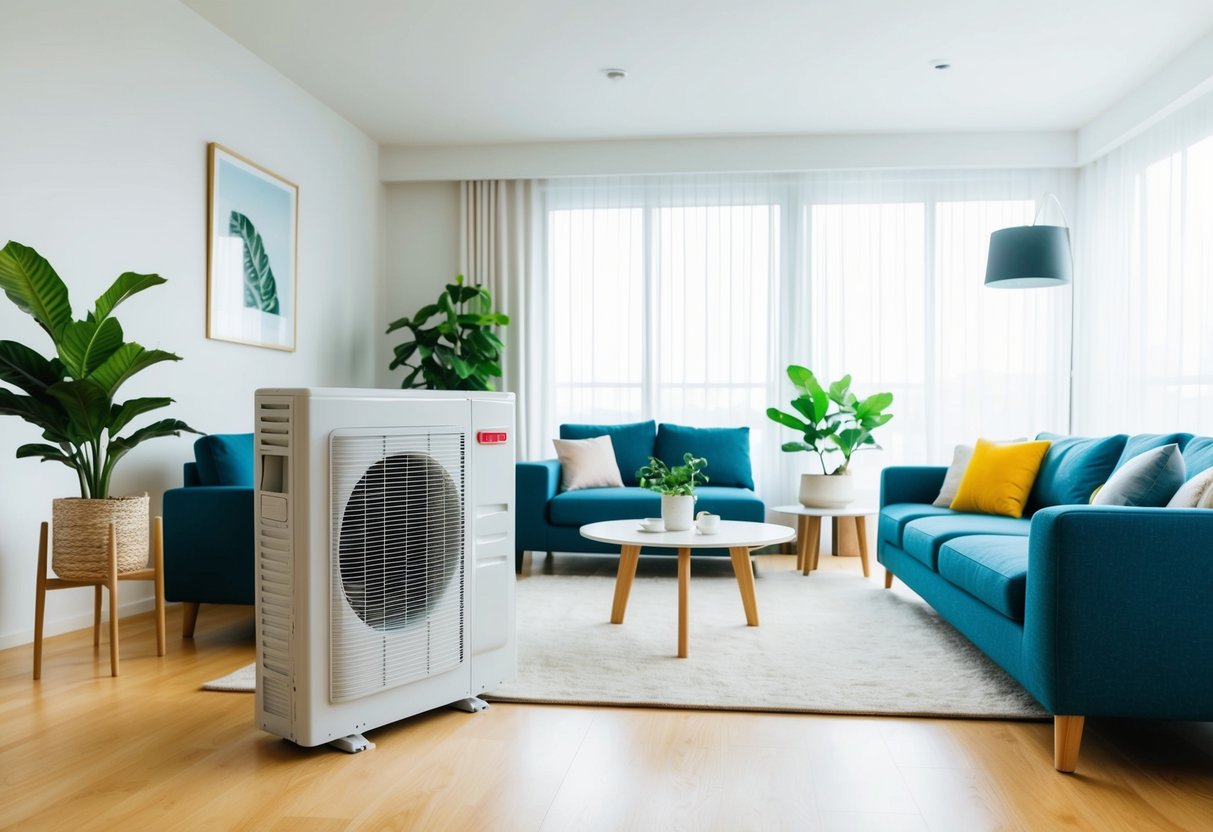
<point x="252" y="245"/>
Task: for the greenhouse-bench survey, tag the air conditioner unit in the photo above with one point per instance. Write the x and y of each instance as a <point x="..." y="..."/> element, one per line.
<point x="385" y="544"/>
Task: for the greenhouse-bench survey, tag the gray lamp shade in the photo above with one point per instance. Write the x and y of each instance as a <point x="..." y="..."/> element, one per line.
<point x="1028" y="256"/>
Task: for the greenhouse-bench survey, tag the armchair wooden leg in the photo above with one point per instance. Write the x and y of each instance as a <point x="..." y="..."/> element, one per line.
<point x="518" y="556"/>
<point x="1067" y="737"/>
<point x="189" y="617"/>
<point x="888" y="579"/>
<point x="40" y="602"/>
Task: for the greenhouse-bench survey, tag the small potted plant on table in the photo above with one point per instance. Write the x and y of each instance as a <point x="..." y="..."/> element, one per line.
<point x="677" y="488"/>
<point x="844" y="431"/>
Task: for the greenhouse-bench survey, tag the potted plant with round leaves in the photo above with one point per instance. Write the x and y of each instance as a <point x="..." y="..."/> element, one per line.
<point x="845" y="429"/>
<point x="676" y="485"/>
<point x="458" y="350"/>
<point x="70" y="398"/>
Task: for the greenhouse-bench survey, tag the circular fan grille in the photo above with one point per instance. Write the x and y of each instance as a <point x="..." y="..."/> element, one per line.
<point x="401" y="540"/>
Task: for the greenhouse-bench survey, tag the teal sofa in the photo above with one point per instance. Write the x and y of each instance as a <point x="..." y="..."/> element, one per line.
<point x="1096" y="610"/>
<point x="208" y="528"/>
<point x="548" y="519"/>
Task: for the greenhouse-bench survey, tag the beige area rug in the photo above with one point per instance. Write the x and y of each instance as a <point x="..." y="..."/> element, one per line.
<point x="830" y="643"/>
<point x="243" y="680"/>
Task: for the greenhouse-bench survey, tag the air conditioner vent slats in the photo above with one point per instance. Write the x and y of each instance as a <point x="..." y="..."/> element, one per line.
<point x="397" y="563"/>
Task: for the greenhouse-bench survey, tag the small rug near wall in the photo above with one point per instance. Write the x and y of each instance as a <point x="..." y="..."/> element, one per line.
<point x="829" y="643"/>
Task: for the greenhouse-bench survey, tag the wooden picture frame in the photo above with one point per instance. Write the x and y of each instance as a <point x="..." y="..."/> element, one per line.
<point x="252" y="246"/>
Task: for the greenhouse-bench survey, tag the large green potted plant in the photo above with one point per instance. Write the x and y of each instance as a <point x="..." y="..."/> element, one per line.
<point x="69" y="397"/>
<point x="458" y="349"/>
<point x="832" y="422"/>
<point x="676" y="485"/>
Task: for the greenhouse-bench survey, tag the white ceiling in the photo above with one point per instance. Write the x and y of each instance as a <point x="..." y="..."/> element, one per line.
<point x="473" y="71"/>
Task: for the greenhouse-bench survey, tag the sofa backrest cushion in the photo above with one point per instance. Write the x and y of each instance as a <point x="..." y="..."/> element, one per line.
<point x="1073" y="468"/>
<point x="633" y="443"/>
<point x="1148" y="479"/>
<point x="225" y="459"/>
<point x="1140" y="443"/>
<point x="727" y="451"/>
<point x="1198" y="454"/>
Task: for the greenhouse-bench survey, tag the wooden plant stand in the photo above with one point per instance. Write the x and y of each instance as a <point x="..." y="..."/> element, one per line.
<point x="154" y="572"/>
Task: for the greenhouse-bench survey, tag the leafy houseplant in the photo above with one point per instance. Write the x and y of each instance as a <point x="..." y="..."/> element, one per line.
<point x="459" y="351"/>
<point x="70" y="397"/>
<point x="844" y="430"/>
<point x="676" y="486"/>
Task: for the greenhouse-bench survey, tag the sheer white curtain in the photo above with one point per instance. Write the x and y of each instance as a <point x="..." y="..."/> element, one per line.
<point x="1144" y="286"/>
<point x="500" y="249"/>
<point x="683" y="299"/>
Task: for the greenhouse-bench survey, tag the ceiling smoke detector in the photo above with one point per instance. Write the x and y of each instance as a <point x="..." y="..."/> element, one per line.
<point x="942" y="64"/>
<point x="615" y="74"/>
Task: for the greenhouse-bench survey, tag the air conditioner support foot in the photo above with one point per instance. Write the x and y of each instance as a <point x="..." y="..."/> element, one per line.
<point x="353" y="744"/>
<point x="473" y="704"/>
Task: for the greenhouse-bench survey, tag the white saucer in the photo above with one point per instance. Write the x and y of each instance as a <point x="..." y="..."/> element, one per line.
<point x="650" y="531"/>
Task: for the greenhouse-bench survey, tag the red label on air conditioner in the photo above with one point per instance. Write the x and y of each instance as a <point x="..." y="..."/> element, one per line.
<point x="491" y="437"/>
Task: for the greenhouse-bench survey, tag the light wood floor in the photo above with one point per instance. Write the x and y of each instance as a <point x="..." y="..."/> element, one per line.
<point x="150" y="750"/>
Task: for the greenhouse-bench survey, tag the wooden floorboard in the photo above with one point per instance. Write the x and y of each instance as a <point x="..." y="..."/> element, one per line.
<point x="151" y="750"/>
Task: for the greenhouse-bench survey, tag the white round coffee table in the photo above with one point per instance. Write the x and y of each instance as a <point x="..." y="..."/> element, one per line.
<point x="808" y="531"/>
<point x="738" y="536"/>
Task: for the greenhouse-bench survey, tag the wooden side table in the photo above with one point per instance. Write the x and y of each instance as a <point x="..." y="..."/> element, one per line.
<point x="808" y="531"/>
<point x="153" y="572"/>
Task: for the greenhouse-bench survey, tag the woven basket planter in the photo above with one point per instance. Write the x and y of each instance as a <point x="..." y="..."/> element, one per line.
<point x="80" y="536"/>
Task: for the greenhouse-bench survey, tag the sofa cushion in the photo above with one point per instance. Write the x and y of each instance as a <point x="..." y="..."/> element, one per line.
<point x="1148" y="479"/>
<point x="1142" y="442"/>
<point x="1198" y="454"/>
<point x="633" y="443"/>
<point x="893" y="518"/>
<point x="727" y="451"/>
<point x="991" y="568"/>
<point x="591" y="505"/>
<point x="225" y="459"/>
<point x="923" y="537"/>
<point x="1073" y="468"/>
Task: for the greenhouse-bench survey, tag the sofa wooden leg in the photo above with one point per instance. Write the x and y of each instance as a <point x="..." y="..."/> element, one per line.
<point x="1067" y="737"/>
<point x="518" y="555"/>
<point x="888" y="579"/>
<point x="189" y="617"/>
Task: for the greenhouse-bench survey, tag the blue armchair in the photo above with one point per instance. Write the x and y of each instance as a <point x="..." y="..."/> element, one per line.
<point x="549" y="520"/>
<point x="208" y="528"/>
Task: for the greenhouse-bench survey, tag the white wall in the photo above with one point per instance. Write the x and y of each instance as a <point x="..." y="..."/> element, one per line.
<point x="421" y="222"/>
<point x="108" y="111"/>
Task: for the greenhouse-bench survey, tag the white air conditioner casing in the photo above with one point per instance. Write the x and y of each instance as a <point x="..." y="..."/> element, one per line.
<point x="385" y="545"/>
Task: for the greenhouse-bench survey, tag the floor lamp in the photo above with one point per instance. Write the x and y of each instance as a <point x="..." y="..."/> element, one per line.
<point x="1035" y="256"/>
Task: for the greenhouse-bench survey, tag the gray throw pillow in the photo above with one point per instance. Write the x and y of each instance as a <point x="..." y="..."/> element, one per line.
<point x="1148" y="479"/>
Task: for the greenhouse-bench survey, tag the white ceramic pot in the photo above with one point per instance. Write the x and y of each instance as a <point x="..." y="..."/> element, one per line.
<point x="677" y="512"/>
<point x="826" y="491"/>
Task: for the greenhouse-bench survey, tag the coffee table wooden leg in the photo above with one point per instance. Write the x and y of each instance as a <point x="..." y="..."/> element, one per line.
<point x="802" y="539"/>
<point x="628" y="558"/>
<point x="813" y="545"/>
<point x="684" y="592"/>
<point x="861" y="531"/>
<point x="745" y="582"/>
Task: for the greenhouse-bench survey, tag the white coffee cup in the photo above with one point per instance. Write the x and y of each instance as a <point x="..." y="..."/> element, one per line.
<point x="652" y="524"/>
<point x="707" y="523"/>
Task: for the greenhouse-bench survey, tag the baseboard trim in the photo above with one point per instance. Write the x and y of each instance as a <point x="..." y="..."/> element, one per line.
<point x="82" y="621"/>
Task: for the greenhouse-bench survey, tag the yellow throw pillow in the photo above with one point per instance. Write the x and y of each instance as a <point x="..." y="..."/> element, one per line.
<point x="1000" y="477"/>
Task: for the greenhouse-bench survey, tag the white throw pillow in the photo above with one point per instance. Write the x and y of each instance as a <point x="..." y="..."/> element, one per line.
<point x="1195" y="493"/>
<point x="587" y="463"/>
<point x="956" y="473"/>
